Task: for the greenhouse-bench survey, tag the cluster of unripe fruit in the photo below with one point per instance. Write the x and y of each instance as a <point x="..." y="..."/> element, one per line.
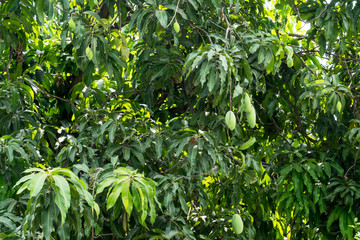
<point x="248" y="108"/>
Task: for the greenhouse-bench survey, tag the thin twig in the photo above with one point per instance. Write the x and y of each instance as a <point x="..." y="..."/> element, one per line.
<point x="306" y="21"/>
<point x="199" y="175"/>
<point x="279" y="132"/>
<point x="48" y="95"/>
<point x="175" y="165"/>
<point x="352" y="166"/>
<point x="297" y="116"/>
<point x="348" y="71"/>
<point x="214" y="23"/>
<point x="196" y="27"/>
<point x="120" y="93"/>
<point x="177" y="6"/>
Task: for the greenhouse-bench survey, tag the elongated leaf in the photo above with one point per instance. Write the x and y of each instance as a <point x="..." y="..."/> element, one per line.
<point x="117" y="60"/>
<point x="343" y="223"/>
<point x="247" y="69"/>
<point x="322" y="43"/>
<point x="47" y="217"/>
<point x="158" y="146"/>
<point x="9" y="153"/>
<point x="181" y="146"/>
<point x="113" y="197"/>
<point x="161" y="15"/>
<point x="136" y="197"/>
<point x="122" y="171"/>
<point x="62" y="195"/>
<point x="63" y="231"/>
<point x="152" y="210"/>
<point x="37" y="183"/>
<point x="144" y="201"/>
<point x="126" y="197"/>
<point x="254" y="48"/>
<point x="64" y="188"/>
<point x="139" y="156"/>
<point x="112" y="131"/>
<point x="95" y="15"/>
<point x="147" y="185"/>
<point x="73" y="178"/>
<point x="333" y="216"/>
<point x="104" y="184"/>
<point x="298" y="185"/>
<point x="23" y="179"/>
<point x="40" y="10"/>
<point x="7" y="222"/>
<point x="261" y="56"/>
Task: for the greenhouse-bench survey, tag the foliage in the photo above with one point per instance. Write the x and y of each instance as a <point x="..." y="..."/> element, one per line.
<point x="165" y="119"/>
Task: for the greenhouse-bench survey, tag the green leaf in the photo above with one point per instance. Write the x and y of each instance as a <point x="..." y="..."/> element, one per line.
<point x="308" y="182"/>
<point x="247" y="69"/>
<point x="76" y="91"/>
<point x="95" y="15"/>
<point x="212" y="79"/>
<point x="9" y="153"/>
<point x="161" y="15"/>
<point x="261" y="56"/>
<point x="316" y="194"/>
<point x="223" y="62"/>
<point x="47" y="217"/>
<point x="158" y="146"/>
<point x="329" y="26"/>
<point x="7" y="223"/>
<point x="322" y="43"/>
<point x="298" y="185"/>
<point x="105" y="183"/>
<point x="122" y="171"/>
<point x="113" y="197"/>
<point x="39" y="6"/>
<point x="126" y="197"/>
<point x="327" y="169"/>
<point x="62" y="197"/>
<point x="13" y="4"/>
<point x="37" y="183"/>
<point x="183" y="204"/>
<point x="289" y="59"/>
<point x="63" y="231"/>
<point x="254" y="48"/>
<point x="181" y="146"/>
<point x="139" y="156"/>
<point x="144" y="202"/>
<point x="152" y="210"/>
<point x="117" y="60"/>
<point x="72" y="24"/>
<point x="335" y="213"/>
<point x="193" y="150"/>
<point x="72" y="177"/>
<point x="136" y="198"/>
<point x="28" y="91"/>
<point x="112" y="131"/>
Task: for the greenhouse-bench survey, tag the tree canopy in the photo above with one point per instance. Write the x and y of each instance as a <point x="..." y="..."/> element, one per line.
<point x="179" y="119"/>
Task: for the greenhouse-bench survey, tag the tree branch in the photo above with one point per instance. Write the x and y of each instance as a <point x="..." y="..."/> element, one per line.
<point x="7" y="68"/>
<point x="48" y="95"/>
